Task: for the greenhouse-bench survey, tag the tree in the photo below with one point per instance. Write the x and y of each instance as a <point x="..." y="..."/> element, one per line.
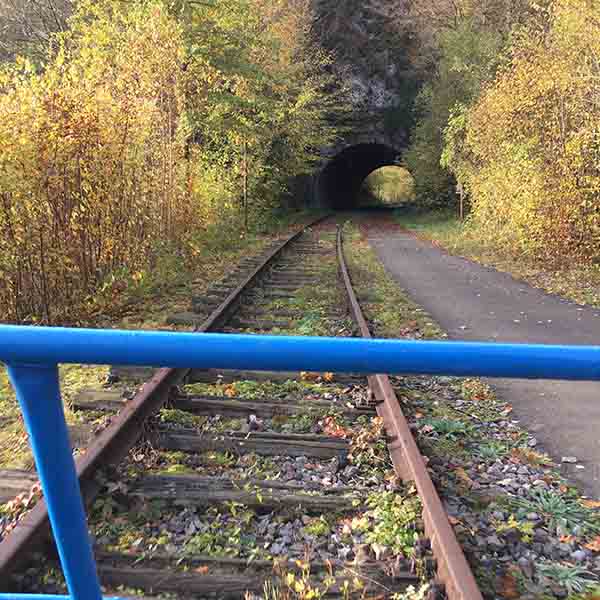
<point x="27" y="26"/>
<point x="530" y="150"/>
<point x="144" y="124"/>
<point x="469" y="58"/>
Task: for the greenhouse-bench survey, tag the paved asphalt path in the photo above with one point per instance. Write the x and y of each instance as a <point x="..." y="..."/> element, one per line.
<point x="473" y="302"/>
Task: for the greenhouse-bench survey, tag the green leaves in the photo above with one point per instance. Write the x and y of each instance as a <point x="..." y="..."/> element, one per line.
<point x="149" y="122"/>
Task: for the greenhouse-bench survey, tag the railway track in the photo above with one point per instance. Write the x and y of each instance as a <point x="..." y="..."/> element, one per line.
<point x="240" y="484"/>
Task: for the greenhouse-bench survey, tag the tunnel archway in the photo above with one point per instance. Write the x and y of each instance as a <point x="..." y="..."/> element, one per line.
<point x="390" y="186"/>
<point x="340" y="180"/>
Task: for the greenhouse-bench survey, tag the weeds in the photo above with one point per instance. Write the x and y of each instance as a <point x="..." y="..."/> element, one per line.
<point x="558" y="510"/>
<point x="222" y="536"/>
<point x="182" y="418"/>
<point x="259" y="390"/>
<point x="449" y="428"/>
<point x="220" y="459"/>
<point x="572" y="578"/>
<point x="384" y="304"/>
<point x="525" y="528"/>
<point x="293" y="585"/>
<point x="413" y="594"/>
<point x="394" y="518"/>
<point x="318" y="527"/>
<point x="491" y="450"/>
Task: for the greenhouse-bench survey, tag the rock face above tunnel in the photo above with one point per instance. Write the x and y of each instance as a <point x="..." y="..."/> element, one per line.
<point x="372" y="44"/>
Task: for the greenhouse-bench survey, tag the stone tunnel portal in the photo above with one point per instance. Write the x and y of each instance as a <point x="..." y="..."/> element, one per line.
<point x="339" y="182"/>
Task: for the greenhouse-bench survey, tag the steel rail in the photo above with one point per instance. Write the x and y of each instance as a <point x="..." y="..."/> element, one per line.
<point x="112" y="444"/>
<point x="453" y="569"/>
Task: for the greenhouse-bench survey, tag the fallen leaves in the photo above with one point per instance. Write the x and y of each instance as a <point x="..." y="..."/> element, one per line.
<point x="309" y="376"/>
<point x="567" y="539"/>
<point x="508" y="586"/>
<point x="594" y="545"/>
<point x="463" y="476"/>
<point x="529" y="456"/>
<point x="333" y="428"/>
<point x="316" y="377"/>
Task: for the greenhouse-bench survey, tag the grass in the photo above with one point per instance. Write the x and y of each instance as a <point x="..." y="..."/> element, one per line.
<point x="448" y="428"/>
<point x="181" y="418"/>
<point x="579" y="282"/>
<point x="318" y="526"/>
<point x="313" y="302"/>
<point x="291" y="389"/>
<point x="14" y="443"/>
<point x="144" y="304"/>
<point x="385" y="306"/>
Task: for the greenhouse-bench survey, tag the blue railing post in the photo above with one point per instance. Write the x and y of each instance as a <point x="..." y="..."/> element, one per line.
<point x="38" y="392"/>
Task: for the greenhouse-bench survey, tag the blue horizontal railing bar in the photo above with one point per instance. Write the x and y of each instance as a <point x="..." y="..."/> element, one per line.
<point x="33" y="353"/>
<point x="52" y="345"/>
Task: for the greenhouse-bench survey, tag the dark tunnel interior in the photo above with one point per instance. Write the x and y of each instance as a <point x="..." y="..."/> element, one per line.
<point x="340" y="180"/>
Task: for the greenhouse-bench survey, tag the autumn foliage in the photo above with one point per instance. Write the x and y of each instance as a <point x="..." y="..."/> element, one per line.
<point x="138" y="134"/>
<point x="512" y="113"/>
<point x="531" y="152"/>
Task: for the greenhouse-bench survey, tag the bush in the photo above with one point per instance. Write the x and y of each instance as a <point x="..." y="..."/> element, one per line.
<point x="90" y="160"/>
<point x="531" y="155"/>
<point x="139" y="136"/>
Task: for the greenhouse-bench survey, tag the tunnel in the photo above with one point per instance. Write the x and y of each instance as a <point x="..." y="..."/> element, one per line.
<point x="340" y="180"/>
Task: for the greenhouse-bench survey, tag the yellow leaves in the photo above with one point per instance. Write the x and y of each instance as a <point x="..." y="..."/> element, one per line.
<point x="130" y="135"/>
<point x="86" y="155"/>
<point x="527" y="157"/>
<point x="309" y="376"/>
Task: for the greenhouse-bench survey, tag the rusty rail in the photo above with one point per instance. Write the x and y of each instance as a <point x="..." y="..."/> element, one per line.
<point x="112" y="444"/>
<point x="452" y="570"/>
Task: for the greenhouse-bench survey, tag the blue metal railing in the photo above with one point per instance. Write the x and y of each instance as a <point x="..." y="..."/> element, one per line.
<point x="33" y="353"/>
